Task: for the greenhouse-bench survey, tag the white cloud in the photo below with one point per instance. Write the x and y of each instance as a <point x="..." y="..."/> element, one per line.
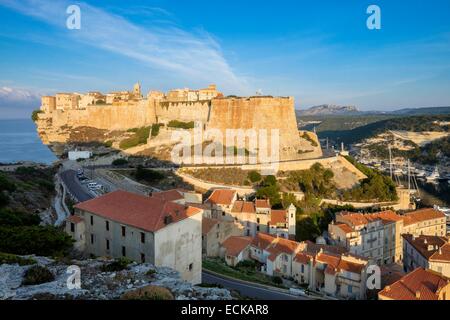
<point x="193" y="57"/>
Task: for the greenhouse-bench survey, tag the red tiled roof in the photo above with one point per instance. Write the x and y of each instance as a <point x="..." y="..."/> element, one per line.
<point x="422" y="215"/>
<point x="75" y="219"/>
<point x="314" y="248"/>
<point x="147" y="213"/>
<point x="419" y="284"/>
<point x="303" y="257"/>
<point x="243" y="206"/>
<point x="345" y="228"/>
<point x="169" y="195"/>
<point x="208" y="224"/>
<point x="222" y="196"/>
<point x="278" y="216"/>
<point x="428" y="246"/>
<point x="262" y="203"/>
<point x="386" y="217"/>
<point x="262" y="240"/>
<point x="235" y="245"/>
<point x="336" y="262"/>
<point x="281" y="245"/>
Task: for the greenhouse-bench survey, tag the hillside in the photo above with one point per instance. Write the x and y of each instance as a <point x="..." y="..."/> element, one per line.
<point x="434" y="123"/>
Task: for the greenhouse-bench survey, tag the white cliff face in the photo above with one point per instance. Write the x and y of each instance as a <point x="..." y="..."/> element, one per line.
<point x="98" y="285"/>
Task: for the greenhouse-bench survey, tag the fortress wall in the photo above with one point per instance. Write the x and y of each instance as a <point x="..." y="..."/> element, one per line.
<point x="111" y="117"/>
<point x="259" y="113"/>
<point x="182" y="111"/>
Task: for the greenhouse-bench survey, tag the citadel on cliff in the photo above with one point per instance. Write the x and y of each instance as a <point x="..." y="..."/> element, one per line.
<point x="122" y="110"/>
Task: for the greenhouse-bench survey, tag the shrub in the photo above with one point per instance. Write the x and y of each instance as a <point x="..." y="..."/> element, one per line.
<point x="39" y="240"/>
<point x="308" y="138"/>
<point x="108" y="144"/>
<point x="254" y="176"/>
<point x="140" y="137"/>
<point x="150" y="272"/>
<point x="155" y="129"/>
<point x="246" y="264"/>
<point x="12" y="259"/>
<point x="119" y="162"/>
<point x="117" y="265"/>
<point x="277" y="280"/>
<point x="37" y="275"/>
<point x="181" y="124"/>
<point x="9" y="217"/>
<point x="148" y="175"/>
<point x="35" y="115"/>
<point x="148" y="293"/>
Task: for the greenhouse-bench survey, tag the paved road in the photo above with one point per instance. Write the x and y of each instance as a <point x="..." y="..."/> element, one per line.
<point x="248" y="290"/>
<point x="69" y="178"/>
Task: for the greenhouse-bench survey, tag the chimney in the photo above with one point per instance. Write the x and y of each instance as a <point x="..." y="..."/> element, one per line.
<point x="418" y="294"/>
<point x="168" y="219"/>
<point x="440" y="251"/>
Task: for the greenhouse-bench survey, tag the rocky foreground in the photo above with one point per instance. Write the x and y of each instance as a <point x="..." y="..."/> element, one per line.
<point x="99" y="285"/>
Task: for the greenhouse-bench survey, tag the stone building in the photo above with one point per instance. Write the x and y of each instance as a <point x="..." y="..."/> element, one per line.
<point x="429" y="222"/>
<point x="215" y="232"/>
<point x="143" y="229"/>
<point x="428" y="252"/>
<point x="236" y="249"/>
<point x="360" y="234"/>
<point x="255" y="216"/>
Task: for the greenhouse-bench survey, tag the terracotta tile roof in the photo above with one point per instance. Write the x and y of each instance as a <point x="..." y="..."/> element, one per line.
<point x="235" y="245"/>
<point x="443" y="254"/>
<point x="278" y="216"/>
<point x="422" y="215"/>
<point x="169" y="195"/>
<point x="386" y="217"/>
<point x="355" y="219"/>
<point x="419" y="284"/>
<point x="146" y="213"/>
<point x="336" y="263"/>
<point x="243" y="206"/>
<point x="314" y="248"/>
<point x="222" y="196"/>
<point x="262" y="240"/>
<point x="303" y="257"/>
<point x="75" y="219"/>
<point x="427" y="246"/>
<point x="208" y="224"/>
<point x="345" y="228"/>
<point x="262" y="203"/>
<point x="281" y="245"/>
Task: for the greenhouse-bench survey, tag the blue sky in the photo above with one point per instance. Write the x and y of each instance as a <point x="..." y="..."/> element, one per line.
<point x="317" y="51"/>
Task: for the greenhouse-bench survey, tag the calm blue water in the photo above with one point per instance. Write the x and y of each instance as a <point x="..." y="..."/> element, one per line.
<point x="19" y="141"/>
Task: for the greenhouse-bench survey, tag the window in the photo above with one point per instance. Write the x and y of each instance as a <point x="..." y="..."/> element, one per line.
<point x="257" y="220"/>
<point x="191" y="266"/>
<point x="124" y="251"/>
<point x="107" y="244"/>
<point x="223" y="213"/>
<point x="92" y="220"/>
<point x="142" y="258"/>
<point x="123" y="231"/>
<point x="142" y="237"/>
<point x="350" y="289"/>
<point x="92" y="238"/>
<point x="107" y="225"/>
<point x="302" y="268"/>
<point x="217" y="235"/>
<point x="257" y="228"/>
<point x="72" y="227"/>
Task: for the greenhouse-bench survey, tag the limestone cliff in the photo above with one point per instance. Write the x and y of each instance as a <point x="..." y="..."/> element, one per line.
<point x="57" y="120"/>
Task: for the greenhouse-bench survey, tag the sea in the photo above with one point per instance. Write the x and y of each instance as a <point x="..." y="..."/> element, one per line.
<point x="19" y="141"/>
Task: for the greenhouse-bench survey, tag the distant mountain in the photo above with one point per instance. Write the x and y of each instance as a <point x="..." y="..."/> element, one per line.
<point x="327" y="109"/>
<point x="330" y="110"/>
<point x="422" y="111"/>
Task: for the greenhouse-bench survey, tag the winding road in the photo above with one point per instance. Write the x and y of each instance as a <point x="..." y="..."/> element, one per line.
<point x="247" y="289"/>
